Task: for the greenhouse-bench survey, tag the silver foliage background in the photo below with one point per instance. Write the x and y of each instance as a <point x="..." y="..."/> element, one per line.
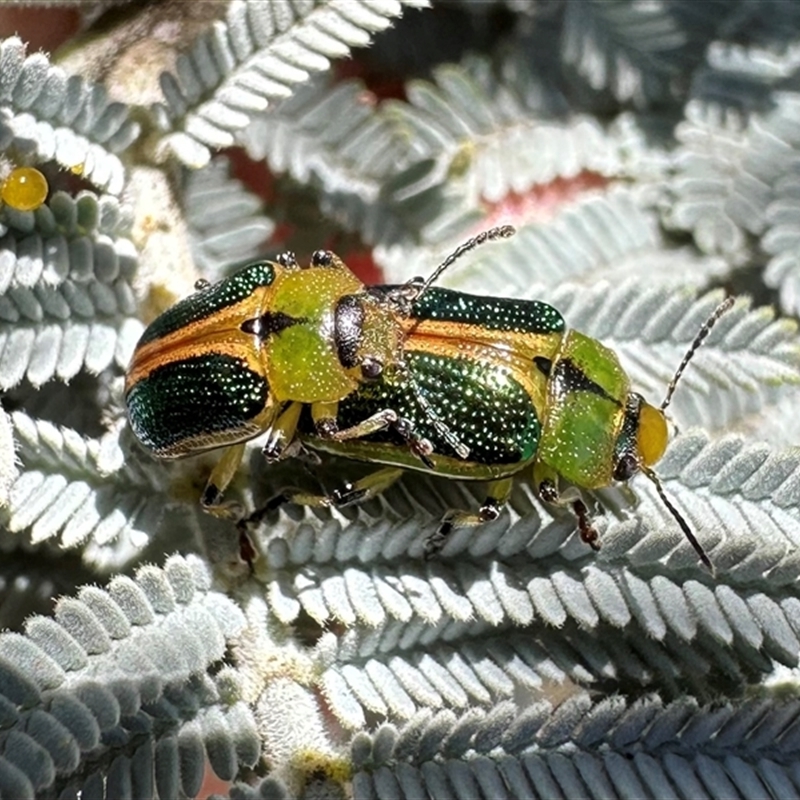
<point x="649" y="155"/>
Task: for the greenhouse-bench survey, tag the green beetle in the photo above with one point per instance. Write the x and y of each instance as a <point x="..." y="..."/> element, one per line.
<point x="410" y="377"/>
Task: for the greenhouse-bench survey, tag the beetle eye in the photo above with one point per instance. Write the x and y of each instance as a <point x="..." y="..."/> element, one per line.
<point x="321" y="258"/>
<point x="626" y="467"/>
<point x="201" y="284"/>
<point x="371" y="368"/>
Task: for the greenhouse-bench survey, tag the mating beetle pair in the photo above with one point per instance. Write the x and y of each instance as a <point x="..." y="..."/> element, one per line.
<point x="410" y="376"/>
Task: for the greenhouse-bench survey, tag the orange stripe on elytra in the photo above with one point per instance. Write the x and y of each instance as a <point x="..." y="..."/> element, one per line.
<point x="219" y="333"/>
<point x="537" y="344"/>
<point x="242" y="349"/>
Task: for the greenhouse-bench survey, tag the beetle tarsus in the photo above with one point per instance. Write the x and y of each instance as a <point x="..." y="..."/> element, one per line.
<point x="212" y="496"/>
<point x="490" y="510"/>
<point x="272" y="451"/>
<point x="287" y="259"/>
<point x="419" y="446"/>
<point x="436" y="541"/>
<point x="257" y="516"/>
<point x="326" y="428"/>
<point x="453" y="520"/>
<point x="276" y="449"/>
<point x="587" y="530"/>
<point x="247" y="550"/>
<point x="275" y="502"/>
<point x="423" y="457"/>
<point x="548" y="492"/>
<point x="347" y="495"/>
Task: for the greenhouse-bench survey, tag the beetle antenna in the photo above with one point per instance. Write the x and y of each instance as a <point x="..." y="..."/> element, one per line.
<point x="440" y="425"/>
<point x="684" y="525"/>
<point x="500" y="232"/>
<point x="721" y="309"/>
<point x="411" y="291"/>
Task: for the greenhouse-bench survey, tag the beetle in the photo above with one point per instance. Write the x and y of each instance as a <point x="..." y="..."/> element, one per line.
<point x="412" y="376"/>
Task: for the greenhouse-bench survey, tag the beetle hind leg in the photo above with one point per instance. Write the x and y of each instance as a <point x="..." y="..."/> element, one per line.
<point x="351" y="493"/>
<point x="364" y="489"/>
<point x="497" y="497"/>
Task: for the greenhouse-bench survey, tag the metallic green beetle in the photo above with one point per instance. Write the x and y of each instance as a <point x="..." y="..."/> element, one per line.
<point x="410" y="377"/>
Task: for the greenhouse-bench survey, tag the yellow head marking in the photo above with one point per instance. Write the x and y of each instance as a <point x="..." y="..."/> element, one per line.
<point x="652" y="436"/>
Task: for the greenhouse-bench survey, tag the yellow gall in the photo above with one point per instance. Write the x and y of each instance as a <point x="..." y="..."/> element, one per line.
<point x="24" y="189"/>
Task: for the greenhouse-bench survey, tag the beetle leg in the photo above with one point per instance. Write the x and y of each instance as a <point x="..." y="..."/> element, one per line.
<point x="365" y="488"/>
<point x="218" y="481"/>
<point x="546" y="480"/>
<point x="324" y="416"/>
<point x="287" y="260"/>
<point x="588" y="533"/>
<point x="498" y="494"/>
<point x="281" y="435"/>
<point x="419" y="446"/>
<point x="351" y="493"/>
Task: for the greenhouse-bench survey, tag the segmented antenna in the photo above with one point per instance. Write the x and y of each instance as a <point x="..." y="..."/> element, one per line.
<point x="404" y="296"/>
<point x="501" y="232"/>
<point x="684" y="525"/>
<point x="721" y="309"/>
<point x="441" y="427"/>
<point x="410" y="292"/>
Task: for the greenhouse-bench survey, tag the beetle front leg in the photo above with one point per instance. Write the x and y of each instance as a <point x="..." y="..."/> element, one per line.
<point x="497" y="497"/>
<point x="282" y="434"/>
<point x="324" y="416"/>
<point x="546" y="482"/>
<point x="225" y="469"/>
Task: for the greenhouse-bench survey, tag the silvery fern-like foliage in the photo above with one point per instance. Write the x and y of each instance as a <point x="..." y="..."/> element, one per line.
<point x="113" y="664"/>
<point x="258" y="54"/>
<point x="61" y="117"/>
<point x="326" y="137"/>
<point x="225" y="220"/>
<point x="617" y="749"/>
<point x="600" y="237"/>
<point x="638" y="51"/>
<point x="66" y="272"/>
<point x="737" y="143"/>
<point x="647" y="155"/>
<point x="79" y="490"/>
